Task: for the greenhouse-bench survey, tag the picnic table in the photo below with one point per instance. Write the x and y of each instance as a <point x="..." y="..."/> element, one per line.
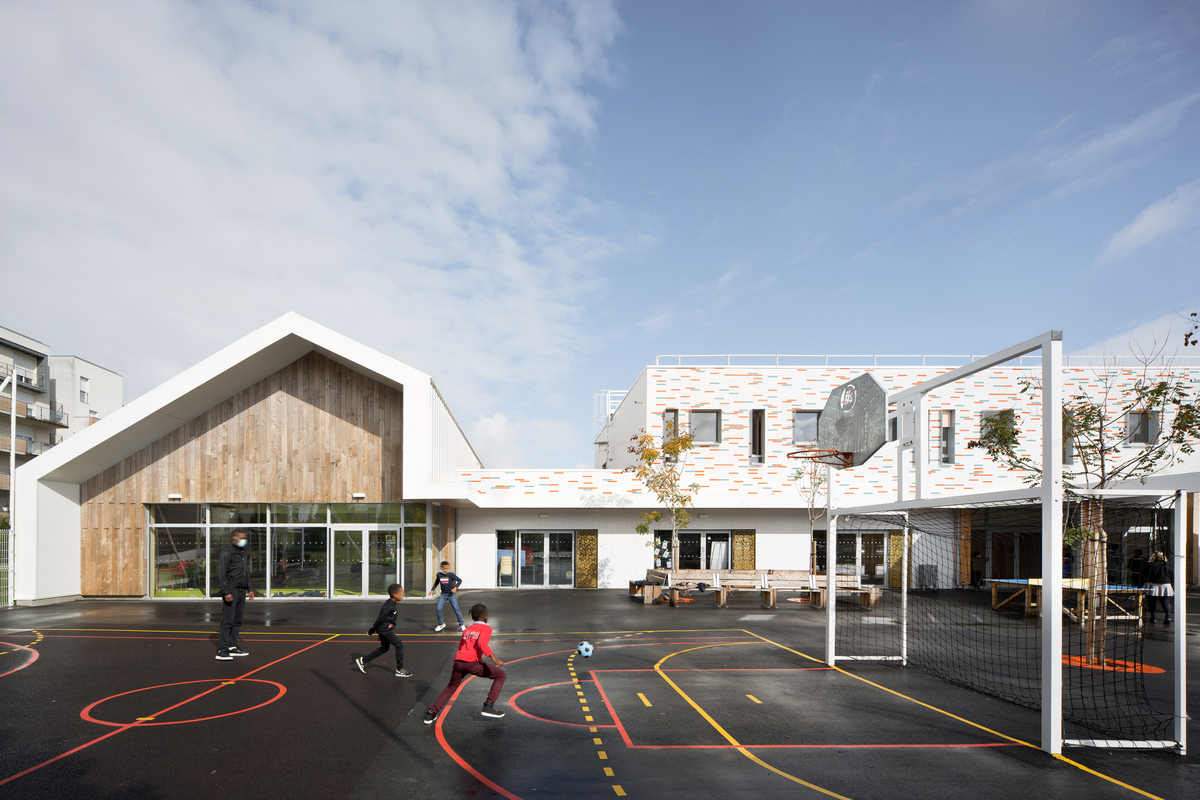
<point x="1028" y="592"/>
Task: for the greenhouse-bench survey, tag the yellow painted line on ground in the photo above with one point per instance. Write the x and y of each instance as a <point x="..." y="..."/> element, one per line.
<point x="593" y="730"/>
<point x="608" y="773"/>
<point x="144" y="719"/>
<point x="644" y="700"/>
<point x="1013" y="739"/>
<point x="589" y="719"/>
<point x="755" y="699"/>
<point x="257" y="632"/>
<point x="583" y="700"/>
<point x="617" y="788"/>
<point x="586" y="709"/>
<point x="603" y="755"/>
<point x="228" y="683"/>
<point x="579" y="693"/>
<point x="597" y="741"/>
<point x="34" y="643"/>
<point x="725" y="733"/>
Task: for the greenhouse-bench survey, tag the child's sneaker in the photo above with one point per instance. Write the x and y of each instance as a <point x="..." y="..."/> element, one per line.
<point x="223" y="655"/>
<point x="403" y="673"/>
<point x="358" y="662"/>
<point x="489" y="710"/>
<point x="430" y="716"/>
<point x="462" y="627"/>
<point x="441" y="627"/>
<point x="237" y="651"/>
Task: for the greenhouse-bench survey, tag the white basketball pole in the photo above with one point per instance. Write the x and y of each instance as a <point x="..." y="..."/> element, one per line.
<point x="1052" y="497"/>
<point x="830" y="570"/>
<point x="904" y="596"/>
<point x="11" y="382"/>
<point x="1179" y="559"/>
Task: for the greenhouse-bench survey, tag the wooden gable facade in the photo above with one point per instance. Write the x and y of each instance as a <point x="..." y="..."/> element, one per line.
<point x="315" y="431"/>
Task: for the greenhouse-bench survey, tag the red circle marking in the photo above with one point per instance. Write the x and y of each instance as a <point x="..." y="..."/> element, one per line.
<point x="26" y="664"/>
<point x="87" y="712"/>
<point x="512" y="701"/>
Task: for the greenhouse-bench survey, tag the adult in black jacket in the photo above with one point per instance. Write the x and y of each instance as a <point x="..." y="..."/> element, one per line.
<point x="234" y="576"/>
<point x="385" y="626"/>
<point x="1159" y="577"/>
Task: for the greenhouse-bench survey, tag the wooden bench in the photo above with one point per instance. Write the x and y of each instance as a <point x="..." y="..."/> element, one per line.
<point x="846" y="584"/>
<point x="786" y="580"/>
<point x="650" y="589"/>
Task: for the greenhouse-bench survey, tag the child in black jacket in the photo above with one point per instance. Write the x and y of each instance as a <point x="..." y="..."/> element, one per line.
<point x="385" y="626"/>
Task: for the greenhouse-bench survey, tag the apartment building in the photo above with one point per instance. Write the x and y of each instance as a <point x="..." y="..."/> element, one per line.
<point x="348" y="470"/>
<point x="47" y="412"/>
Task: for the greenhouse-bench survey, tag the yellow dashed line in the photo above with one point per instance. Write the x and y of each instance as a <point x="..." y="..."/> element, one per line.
<point x="144" y="719"/>
<point x="597" y="741"/>
<point x="585" y="708"/>
<point x="589" y="719"/>
<point x="644" y="700"/>
<point x="755" y="699"/>
<point x="593" y="730"/>
<point x="617" y="788"/>
<point x="34" y="643"/>
<point x="603" y="755"/>
<point x="608" y="773"/>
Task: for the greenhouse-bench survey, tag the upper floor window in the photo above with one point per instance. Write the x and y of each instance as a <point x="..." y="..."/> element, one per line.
<point x="893" y="429"/>
<point x="706" y="427"/>
<point x="83" y="390"/>
<point x="804" y="426"/>
<point x="1007" y="418"/>
<point x="758" y="435"/>
<point x="946" y="435"/>
<point x="670" y="428"/>
<point x="1141" y="427"/>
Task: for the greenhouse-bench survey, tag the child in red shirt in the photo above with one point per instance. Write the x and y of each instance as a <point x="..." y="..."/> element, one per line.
<point x="472" y="647"/>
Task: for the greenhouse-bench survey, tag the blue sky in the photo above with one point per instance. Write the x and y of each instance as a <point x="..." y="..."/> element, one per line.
<point x="531" y="201"/>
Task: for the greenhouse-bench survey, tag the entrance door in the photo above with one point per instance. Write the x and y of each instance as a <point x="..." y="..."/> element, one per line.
<point x="364" y="559"/>
<point x="542" y="558"/>
<point x="874" y="564"/>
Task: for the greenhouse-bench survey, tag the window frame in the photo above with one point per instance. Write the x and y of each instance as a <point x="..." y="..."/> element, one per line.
<point x="1146" y="431"/>
<point x="758" y="436"/>
<point x="795" y="413"/>
<point x="692" y="426"/>
<point x="946" y="449"/>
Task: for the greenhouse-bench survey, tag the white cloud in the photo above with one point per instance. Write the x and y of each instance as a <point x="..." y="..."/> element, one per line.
<point x="1162" y="335"/>
<point x="178" y="174"/>
<point x="1178" y="211"/>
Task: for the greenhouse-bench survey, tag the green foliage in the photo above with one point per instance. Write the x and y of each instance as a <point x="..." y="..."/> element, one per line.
<point x="3" y="522"/>
<point x="660" y="468"/>
<point x="1094" y="425"/>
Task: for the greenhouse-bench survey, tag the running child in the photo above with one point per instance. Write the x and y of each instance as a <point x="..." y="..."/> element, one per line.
<point x="385" y="626"/>
<point x="448" y="583"/>
<point x="472" y="647"/>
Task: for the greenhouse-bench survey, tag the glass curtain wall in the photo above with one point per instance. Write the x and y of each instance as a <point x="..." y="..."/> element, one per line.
<point x="293" y="550"/>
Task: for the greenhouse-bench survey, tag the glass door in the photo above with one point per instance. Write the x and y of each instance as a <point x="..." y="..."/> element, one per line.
<point x="874" y="565"/>
<point x="301" y="562"/>
<point x="561" y="570"/>
<point x="364" y="559"/>
<point x="506" y="558"/>
<point x="533" y="559"/>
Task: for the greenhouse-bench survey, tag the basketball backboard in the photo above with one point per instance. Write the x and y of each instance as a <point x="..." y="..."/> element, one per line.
<point x="854" y="419"/>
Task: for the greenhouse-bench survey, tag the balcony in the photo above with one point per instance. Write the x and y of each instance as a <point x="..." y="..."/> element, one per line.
<point x="37" y="448"/>
<point x="53" y="414"/>
<point x="3" y="481"/>
<point x="6" y="405"/>
<point x="22" y="447"/>
<point x="29" y="378"/>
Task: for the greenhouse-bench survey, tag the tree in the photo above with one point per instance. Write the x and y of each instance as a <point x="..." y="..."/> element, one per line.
<point x="1191" y="337"/>
<point x="659" y="467"/>
<point x="1116" y="434"/>
<point x="810" y="480"/>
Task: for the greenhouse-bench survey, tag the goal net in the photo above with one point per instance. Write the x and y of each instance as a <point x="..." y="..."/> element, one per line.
<point x="959" y="597"/>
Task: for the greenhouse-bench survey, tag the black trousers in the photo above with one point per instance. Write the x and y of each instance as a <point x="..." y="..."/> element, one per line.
<point x="1166" y="602"/>
<point x="231" y="619"/>
<point x="388" y="639"/>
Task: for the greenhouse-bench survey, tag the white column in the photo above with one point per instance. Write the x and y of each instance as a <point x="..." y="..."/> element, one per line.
<point x="904" y="596"/>
<point x="1052" y="496"/>
<point x="920" y="445"/>
<point x="830" y="570"/>
<point x="1179" y="558"/>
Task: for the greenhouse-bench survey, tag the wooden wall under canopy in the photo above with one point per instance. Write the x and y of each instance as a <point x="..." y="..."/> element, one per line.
<point x="315" y="431"/>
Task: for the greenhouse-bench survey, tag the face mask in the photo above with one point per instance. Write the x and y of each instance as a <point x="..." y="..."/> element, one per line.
<point x="241" y="543"/>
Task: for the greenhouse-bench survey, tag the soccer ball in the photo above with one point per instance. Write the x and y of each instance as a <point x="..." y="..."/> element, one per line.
<point x="584" y="649"/>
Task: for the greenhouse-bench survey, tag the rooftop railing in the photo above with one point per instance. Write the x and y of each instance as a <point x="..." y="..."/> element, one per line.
<point x="34" y="379"/>
<point x="879" y="360"/>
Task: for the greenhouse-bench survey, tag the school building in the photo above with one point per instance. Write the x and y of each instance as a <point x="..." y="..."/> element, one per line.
<point x="349" y="472"/>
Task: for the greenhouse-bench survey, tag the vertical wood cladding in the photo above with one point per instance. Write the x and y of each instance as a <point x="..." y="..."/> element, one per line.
<point x="744" y="556"/>
<point x="315" y="431"/>
<point x="586" y="561"/>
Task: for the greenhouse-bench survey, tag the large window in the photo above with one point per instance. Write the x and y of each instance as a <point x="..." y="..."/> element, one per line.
<point x="295" y="549"/>
<point x="1141" y="427"/>
<point x="804" y="426"/>
<point x="697" y="550"/>
<point x="706" y="427"/>
<point x="946" y="435"/>
<point x="758" y="435"/>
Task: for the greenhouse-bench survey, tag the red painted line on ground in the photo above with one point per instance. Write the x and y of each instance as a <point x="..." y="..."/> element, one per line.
<point x="115" y="731"/>
<point x="462" y="762"/>
<point x="87" y="715"/>
<point x="612" y="712"/>
<point x="808" y="746"/>
<point x="26" y="664"/>
<point x="723" y="669"/>
<point x="512" y="701"/>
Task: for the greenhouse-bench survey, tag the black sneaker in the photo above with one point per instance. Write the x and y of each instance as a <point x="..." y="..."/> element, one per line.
<point x="237" y="651"/>
<point x="430" y="716"/>
<point x="489" y="710"/>
<point x="403" y="673"/>
<point x="223" y="655"/>
<point x="358" y="662"/>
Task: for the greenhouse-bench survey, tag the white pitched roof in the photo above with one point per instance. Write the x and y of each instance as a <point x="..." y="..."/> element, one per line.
<point x="224" y="374"/>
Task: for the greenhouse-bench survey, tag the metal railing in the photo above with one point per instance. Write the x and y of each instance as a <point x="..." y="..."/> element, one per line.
<point x="22" y="444"/>
<point x="5" y="588"/>
<point x="33" y="378"/>
<point x="37" y="448"/>
<point x="880" y="360"/>
<point x="46" y="413"/>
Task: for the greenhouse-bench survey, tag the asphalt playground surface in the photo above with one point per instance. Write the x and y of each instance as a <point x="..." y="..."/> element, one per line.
<point x="123" y="699"/>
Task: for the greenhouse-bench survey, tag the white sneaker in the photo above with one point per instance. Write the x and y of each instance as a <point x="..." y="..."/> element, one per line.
<point x="358" y="662"/>
<point x="462" y="627"/>
<point x="441" y="627"/>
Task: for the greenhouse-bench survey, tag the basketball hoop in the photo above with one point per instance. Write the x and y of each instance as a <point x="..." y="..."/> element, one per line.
<point x="823" y="455"/>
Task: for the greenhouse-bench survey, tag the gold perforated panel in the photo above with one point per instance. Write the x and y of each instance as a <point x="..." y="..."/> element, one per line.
<point x="585" y="559"/>
<point x="743" y="550"/>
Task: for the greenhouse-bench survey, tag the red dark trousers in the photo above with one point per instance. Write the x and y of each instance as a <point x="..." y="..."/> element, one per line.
<point x="464" y="668"/>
